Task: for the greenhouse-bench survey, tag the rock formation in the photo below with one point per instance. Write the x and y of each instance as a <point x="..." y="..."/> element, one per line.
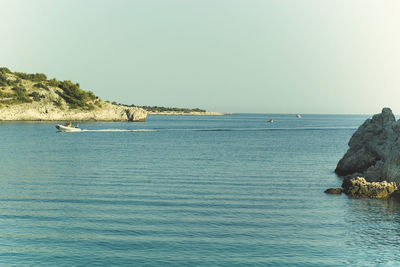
<point x="374" y="150"/>
<point x="48" y="112"/>
<point x="334" y="191"/>
<point x="359" y="187"/>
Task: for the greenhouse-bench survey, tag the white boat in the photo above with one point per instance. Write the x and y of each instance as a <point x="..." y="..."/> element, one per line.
<point x="298" y="116"/>
<point x="270" y="120"/>
<point x="68" y="128"/>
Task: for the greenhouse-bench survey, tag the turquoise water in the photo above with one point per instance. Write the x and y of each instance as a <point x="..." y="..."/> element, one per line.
<point x="196" y="191"/>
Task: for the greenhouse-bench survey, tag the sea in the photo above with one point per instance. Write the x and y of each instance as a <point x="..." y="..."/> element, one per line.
<point x="188" y="191"/>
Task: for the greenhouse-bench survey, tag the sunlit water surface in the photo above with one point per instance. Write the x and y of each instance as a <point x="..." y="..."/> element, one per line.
<point x="188" y="191"/>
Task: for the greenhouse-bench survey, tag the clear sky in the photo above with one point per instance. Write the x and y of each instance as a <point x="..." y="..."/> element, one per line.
<point x="266" y="56"/>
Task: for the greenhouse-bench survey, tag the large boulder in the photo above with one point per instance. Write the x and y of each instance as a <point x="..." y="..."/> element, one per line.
<point x="135" y="114"/>
<point x="359" y="187"/>
<point x="374" y="150"/>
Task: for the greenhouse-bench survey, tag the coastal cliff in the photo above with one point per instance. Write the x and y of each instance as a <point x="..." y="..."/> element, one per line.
<point x="371" y="165"/>
<point x="46" y="111"/>
<point x="32" y="97"/>
<point x="374" y="150"/>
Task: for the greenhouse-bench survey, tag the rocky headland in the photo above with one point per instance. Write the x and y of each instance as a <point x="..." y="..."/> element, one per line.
<point x="371" y="165"/>
<point x="47" y="111"/>
<point x="374" y="150"/>
<point x="32" y="97"/>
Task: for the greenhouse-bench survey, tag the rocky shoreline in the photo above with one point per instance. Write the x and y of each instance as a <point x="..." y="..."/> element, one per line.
<point x="359" y="188"/>
<point x="108" y="112"/>
<point x="49" y="112"/>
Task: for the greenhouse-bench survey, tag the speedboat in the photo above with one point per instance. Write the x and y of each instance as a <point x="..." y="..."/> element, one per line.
<point x="271" y="121"/>
<point x="68" y="128"/>
<point x="298" y="116"/>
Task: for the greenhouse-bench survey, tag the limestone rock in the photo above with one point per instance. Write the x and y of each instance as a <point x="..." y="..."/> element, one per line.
<point x="374" y="150"/>
<point x="333" y="191"/>
<point x="359" y="187"/>
<point x="45" y="111"/>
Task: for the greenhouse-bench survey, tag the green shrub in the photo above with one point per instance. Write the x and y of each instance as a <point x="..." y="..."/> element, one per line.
<point x="3" y="79"/>
<point x="91" y="95"/>
<point x="7" y="95"/>
<point x="18" y="90"/>
<point x="58" y="102"/>
<point x="53" y="82"/>
<point x="37" y="77"/>
<point x="98" y="103"/>
<point x="40" y="85"/>
<point x="15" y="82"/>
<point x="36" y="96"/>
<point x="74" y="96"/>
<point x="90" y="107"/>
<point x="20" y="95"/>
<point x="5" y="70"/>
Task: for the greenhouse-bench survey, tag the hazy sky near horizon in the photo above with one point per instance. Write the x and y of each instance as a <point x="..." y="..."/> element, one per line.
<point x="267" y="56"/>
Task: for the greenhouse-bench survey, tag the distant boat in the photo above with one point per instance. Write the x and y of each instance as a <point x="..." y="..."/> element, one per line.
<point x="68" y="127"/>
<point x="270" y="120"/>
<point x="298" y="116"/>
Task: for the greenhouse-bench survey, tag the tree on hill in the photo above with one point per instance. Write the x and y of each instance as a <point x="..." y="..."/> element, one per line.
<point x="75" y="96"/>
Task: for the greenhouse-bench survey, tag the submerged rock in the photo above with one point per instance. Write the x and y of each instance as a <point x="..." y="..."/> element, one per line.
<point x="333" y="191"/>
<point x="359" y="187"/>
<point x="374" y="150"/>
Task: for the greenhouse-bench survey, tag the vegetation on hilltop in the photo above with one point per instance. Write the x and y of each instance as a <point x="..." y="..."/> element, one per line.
<point x="4" y="81"/>
<point x="19" y="87"/>
<point x="37" y="77"/>
<point x="167" y="109"/>
<point x="75" y="96"/>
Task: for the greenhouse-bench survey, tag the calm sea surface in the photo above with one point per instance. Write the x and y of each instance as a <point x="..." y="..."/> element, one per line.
<point x="198" y="191"/>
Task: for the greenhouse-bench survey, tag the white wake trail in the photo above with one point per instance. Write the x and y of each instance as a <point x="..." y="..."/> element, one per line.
<point x="120" y="130"/>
